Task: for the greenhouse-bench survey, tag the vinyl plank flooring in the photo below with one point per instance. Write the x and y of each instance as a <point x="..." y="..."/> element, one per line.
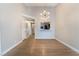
<point x="41" y="47"/>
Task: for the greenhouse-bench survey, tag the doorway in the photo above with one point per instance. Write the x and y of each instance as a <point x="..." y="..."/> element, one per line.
<point x="33" y="28"/>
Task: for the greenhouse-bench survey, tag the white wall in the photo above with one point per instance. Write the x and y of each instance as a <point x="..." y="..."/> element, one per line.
<point x="67" y="24"/>
<point x="50" y="34"/>
<point x="0" y="43"/>
<point x="11" y="24"/>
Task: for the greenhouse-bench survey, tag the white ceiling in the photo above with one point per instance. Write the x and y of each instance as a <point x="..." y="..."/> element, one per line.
<point x="41" y="4"/>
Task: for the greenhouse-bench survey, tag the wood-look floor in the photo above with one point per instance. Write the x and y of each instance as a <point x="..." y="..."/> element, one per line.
<point x="42" y="47"/>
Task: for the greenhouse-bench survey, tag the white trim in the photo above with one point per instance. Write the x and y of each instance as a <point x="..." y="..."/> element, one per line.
<point x="11" y="47"/>
<point x="45" y="38"/>
<point x="74" y="49"/>
<point x="0" y="43"/>
<point x="0" y="51"/>
<point x="29" y="17"/>
<point x="28" y="36"/>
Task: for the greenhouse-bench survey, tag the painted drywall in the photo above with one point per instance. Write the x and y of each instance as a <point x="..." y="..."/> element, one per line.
<point x="0" y="43"/>
<point x="67" y="24"/>
<point x="11" y="24"/>
<point x="35" y="12"/>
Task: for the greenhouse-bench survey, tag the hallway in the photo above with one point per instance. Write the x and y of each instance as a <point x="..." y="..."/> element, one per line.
<point x="39" y="47"/>
<point x="47" y="22"/>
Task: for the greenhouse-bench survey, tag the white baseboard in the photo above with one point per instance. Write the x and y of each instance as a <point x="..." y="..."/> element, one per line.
<point x="0" y="51"/>
<point x="0" y="43"/>
<point x="44" y="38"/>
<point x="74" y="49"/>
<point x="11" y="47"/>
<point x="28" y="36"/>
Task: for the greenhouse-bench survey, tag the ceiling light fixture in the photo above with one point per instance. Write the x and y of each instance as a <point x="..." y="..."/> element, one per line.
<point x="44" y="15"/>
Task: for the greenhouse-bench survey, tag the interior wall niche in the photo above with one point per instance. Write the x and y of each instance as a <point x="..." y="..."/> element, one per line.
<point x="45" y="26"/>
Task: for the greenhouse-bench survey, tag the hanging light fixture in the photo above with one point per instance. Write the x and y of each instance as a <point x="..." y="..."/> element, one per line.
<point x="45" y="23"/>
<point x="44" y="15"/>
